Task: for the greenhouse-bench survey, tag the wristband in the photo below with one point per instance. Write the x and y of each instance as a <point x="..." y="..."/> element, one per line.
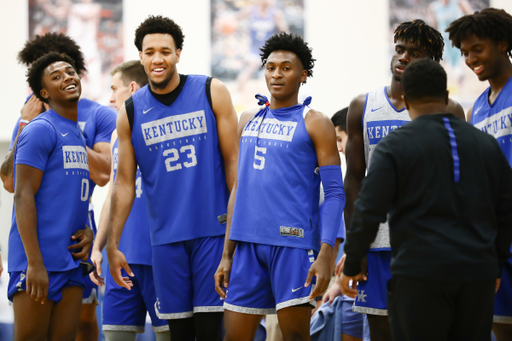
<point x="23" y="123"/>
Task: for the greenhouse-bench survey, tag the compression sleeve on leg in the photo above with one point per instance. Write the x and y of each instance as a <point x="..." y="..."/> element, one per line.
<point x="331" y="211"/>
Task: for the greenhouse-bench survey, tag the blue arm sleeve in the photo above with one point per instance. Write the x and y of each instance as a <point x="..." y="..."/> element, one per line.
<point x="341" y="232"/>
<point x="331" y="212"/>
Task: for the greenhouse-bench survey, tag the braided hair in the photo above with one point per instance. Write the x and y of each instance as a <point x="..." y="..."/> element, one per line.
<point x="420" y="34"/>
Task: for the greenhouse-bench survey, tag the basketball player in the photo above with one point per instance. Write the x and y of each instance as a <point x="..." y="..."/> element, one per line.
<point x="446" y="190"/>
<point x="371" y="117"/>
<point x="181" y="131"/>
<point x="97" y="123"/>
<point x="51" y="199"/>
<point x="485" y="40"/>
<point x="124" y="311"/>
<point x="275" y="225"/>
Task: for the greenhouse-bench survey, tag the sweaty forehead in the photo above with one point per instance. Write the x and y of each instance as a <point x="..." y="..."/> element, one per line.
<point x="157" y="41"/>
<point x="282" y="56"/>
<point x="57" y="66"/>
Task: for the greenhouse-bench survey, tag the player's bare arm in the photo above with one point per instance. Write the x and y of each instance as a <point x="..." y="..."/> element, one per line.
<point x="227" y="121"/>
<point x="101" y="234"/>
<point x="356" y="164"/>
<point x="30" y="110"/>
<point x="123" y="195"/>
<point x="28" y="180"/>
<point x="99" y="163"/>
<point x="322" y="134"/>
<point x="455" y="108"/>
<point x="469" y="114"/>
<point x="222" y="273"/>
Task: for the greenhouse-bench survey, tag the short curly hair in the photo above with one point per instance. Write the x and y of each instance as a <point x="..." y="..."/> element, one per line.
<point x="35" y="73"/>
<point x="422" y="35"/>
<point x="289" y="42"/>
<point x="424" y="79"/>
<point x="492" y="23"/>
<point x="56" y="42"/>
<point x="159" y="24"/>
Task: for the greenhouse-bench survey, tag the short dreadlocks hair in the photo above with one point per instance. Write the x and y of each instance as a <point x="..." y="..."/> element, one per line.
<point x="35" y="73"/>
<point x="421" y="35"/>
<point x="492" y="23"/>
<point x="289" y="42"/>
<point x="56" y="42"/>
<point x="159" y="24"/>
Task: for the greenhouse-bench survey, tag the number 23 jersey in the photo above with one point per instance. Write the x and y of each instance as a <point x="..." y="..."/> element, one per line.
<point x="177" y="150"/>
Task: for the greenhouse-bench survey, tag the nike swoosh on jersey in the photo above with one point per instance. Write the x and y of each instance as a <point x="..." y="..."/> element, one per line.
<point x="376" y="109"/>
<point x="146" y="111"/>
<point x="64" y="135"/>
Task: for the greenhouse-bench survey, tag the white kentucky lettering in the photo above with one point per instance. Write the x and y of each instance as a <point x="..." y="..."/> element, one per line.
<point x="174" y="127"/>
<point x="498" y="125"/>
<point x="270" y="128"/>
<point x="75" y="157"/>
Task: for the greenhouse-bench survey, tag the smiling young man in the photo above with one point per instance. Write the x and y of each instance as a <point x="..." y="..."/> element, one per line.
<point x="51" y="200"/>
<point x="282" y="240"/>
<point x="124" y="311"/>
<point x="96" y="122"/>
<point x="181" y="132"/>
<point x="485" y="40"/>
<point x="371" y="117"/>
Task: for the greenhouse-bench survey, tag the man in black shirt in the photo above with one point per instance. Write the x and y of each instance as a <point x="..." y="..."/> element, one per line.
<point x="448" y="190"/>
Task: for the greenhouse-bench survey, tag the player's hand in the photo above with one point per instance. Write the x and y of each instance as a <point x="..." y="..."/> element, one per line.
<point x="31" y="109"/>
<point x="116" y="262"/>
<point x="320" y="268"/>
<point x="97" y="259"/>
<point x="498" y="282"/>
<point x="37" y="282"/>
<point x="348" y="285"/>
<point x="341" y="265"/>
<point x="85" y="238"/>
<point x="333" y="292"/>
<point x="222" y="276"/>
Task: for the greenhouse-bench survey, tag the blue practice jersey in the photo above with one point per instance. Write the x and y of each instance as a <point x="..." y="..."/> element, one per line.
<point x="135" y="242"/>
<point x="177" y="150"/>
<point x="496" y="119"/>
<point x="56" y="146"/>
<point x="96" y="121"/>
<point x="278" y="183"/>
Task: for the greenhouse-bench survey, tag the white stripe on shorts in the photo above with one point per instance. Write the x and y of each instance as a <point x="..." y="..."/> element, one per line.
<point x="252" y="311"/>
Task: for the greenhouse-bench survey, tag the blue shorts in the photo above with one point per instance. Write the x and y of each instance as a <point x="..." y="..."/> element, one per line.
<point x="90" y="294"/>
<point x="125" y="310"/>
<point x="372" y="295"/>
<point x="503" y="298"/>
<point x="58" y="281"/>
<point x="351" y="322"/>
<point x="266" y="278"/>
<point x="184" y="281"/>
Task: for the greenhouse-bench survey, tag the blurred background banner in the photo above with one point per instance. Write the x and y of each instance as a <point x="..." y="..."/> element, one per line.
<point x="463" y="84"/>
<point x="239" y="30"/>
<point x="95" y="25"/>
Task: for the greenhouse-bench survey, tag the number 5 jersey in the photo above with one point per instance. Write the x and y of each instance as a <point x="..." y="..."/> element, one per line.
<point x="278" y="183"/>
<point x="177" y="149"/>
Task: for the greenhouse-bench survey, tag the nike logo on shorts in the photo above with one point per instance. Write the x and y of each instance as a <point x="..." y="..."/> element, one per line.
<point x="294" y="290"/>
